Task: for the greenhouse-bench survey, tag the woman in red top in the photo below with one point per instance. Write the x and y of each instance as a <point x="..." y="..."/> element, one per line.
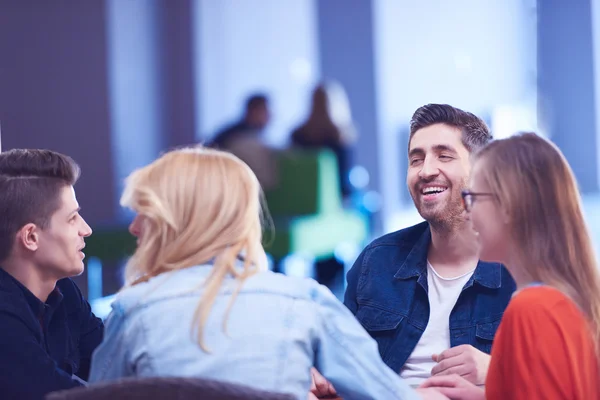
<point x="525" y="206"/>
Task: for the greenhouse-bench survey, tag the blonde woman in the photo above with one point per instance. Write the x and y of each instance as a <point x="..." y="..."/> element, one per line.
<point x="526" y="208"/>
<point x="199" y="301"/>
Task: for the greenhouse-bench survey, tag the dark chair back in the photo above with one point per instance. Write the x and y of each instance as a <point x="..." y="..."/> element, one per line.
<point x="167" y="389"/>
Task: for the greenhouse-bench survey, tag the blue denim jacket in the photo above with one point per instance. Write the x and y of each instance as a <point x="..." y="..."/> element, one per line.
<point x="387" y="291"/>
<point x="278" y="328"/>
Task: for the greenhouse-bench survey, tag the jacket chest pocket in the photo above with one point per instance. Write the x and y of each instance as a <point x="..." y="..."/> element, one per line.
<point x="382" y="325"/>
<point x="484" y="335"/>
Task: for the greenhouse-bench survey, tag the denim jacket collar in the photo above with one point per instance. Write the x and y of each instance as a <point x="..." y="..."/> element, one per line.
<point x="415" y="263"/>
<point x="486" y="274"/>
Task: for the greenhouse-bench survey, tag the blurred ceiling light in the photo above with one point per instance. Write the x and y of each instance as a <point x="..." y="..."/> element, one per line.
<point x="359" y="177"/>
<point x="509" y="119"/>
<point x="463" y="62"/>
<point x="301" y="71"/>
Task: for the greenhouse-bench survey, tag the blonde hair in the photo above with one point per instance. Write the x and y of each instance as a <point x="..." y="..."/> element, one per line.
<point x="200" y="205"/>
<point x="533" y="181"/>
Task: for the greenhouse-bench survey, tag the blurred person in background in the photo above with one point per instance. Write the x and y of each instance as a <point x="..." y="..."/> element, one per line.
<point x="245" y="139"/>
<point x="330" y="126"/>
<point x="525" y="206"/>
<point x="200" y="302"/>
<point x="254" y="120"/>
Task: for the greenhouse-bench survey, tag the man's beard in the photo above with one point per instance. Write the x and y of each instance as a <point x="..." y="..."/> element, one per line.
<point x="443" y="217"/>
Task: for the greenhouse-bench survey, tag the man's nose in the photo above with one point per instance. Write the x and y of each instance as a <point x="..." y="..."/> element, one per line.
<point x="429" y="169"/>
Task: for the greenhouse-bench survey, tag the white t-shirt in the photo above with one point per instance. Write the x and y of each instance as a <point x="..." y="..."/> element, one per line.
<point x="443" y="294"/>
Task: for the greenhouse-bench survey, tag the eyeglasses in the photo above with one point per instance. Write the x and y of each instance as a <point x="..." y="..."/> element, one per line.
<point x="468" y="198"/>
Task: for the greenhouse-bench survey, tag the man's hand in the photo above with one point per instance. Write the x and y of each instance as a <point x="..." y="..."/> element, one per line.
<point x="320" y="387"/>
<point x="465" y="361"/>
<point x="454" y="387"/>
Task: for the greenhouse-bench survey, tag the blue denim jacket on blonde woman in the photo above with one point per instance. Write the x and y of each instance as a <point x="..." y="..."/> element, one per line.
<point x="277" y="329"/>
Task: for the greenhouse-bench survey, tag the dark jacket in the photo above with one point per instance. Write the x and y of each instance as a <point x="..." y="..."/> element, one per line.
<point x="43" y="344"/>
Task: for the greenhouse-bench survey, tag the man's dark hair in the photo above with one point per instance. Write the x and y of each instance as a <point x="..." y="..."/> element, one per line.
<point x="30" y="185"/>
<point x="256" y="100"/>
<point x="475" y="133"/>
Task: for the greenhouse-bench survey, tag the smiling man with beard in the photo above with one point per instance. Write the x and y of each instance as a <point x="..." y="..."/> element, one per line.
<point x="422" y="292"/>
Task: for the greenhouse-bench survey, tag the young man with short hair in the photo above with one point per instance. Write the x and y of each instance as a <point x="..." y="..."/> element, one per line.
<point x="48" y="331"/>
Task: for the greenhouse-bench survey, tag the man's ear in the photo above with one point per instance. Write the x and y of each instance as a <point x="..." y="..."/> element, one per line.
<point x="28" y="236"/>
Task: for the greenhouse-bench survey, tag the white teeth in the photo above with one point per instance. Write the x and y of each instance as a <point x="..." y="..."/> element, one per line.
<point x="433" y="189"/>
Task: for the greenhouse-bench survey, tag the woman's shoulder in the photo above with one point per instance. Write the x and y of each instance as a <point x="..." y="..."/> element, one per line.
<point x="168" y="284"/>
<point x="542" y="303"/>
<point x="283" y="285"/>
<point x="189" y="282"/>
<point x="541" y="296"/>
